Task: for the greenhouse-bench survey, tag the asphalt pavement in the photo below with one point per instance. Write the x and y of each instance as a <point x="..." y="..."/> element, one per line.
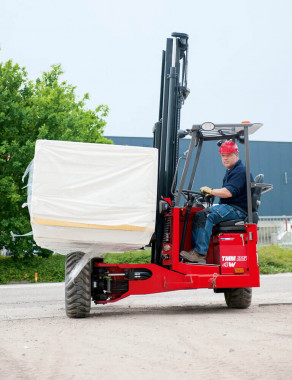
<point x="185" y="334"/>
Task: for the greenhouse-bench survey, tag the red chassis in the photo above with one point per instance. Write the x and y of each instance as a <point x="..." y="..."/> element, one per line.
<point x="231" y="263"/>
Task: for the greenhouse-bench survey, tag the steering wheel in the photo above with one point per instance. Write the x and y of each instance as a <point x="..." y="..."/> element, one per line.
<point x="198" y="197"/>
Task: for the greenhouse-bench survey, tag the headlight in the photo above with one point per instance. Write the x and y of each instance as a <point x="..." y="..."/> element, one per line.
<point x="208" y="126"/>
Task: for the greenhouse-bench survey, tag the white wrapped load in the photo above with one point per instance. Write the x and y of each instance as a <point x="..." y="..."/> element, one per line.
<point x="94" y="198"/>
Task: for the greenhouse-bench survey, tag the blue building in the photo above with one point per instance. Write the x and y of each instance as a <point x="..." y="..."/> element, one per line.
<point x="273" y="159"/>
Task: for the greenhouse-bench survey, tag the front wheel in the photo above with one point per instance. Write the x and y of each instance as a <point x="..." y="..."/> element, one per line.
<point x="78" y="292"/>
<point x="238" y="298"/>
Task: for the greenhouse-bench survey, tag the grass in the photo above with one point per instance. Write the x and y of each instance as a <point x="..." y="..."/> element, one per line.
<point x="49" y="269"/>
<point x="132" y="257"/>
<point x="272" y="259"/>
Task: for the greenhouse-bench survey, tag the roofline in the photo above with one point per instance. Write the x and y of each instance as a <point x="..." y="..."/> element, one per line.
<point x="251" y="141"/>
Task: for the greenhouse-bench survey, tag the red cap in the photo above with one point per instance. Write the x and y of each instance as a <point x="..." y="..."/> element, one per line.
<point x="228" y="147"/>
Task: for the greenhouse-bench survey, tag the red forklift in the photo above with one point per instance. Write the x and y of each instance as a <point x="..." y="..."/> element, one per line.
<point x="231" y="266"/>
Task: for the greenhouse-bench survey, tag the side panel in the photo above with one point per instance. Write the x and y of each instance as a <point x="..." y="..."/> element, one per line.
<point x="231" y="252"/>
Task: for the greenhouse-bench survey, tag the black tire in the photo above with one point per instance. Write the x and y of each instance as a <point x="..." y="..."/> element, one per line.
<point x="78" y="292"/>
<point x="238" y="298"/>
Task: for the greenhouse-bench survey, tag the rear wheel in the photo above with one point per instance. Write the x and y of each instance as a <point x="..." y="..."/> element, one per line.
<point x="238" y="298"/>
<point x="78" y="292"/>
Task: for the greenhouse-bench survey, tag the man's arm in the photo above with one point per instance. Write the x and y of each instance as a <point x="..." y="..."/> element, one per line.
<point x="221" y="193"/>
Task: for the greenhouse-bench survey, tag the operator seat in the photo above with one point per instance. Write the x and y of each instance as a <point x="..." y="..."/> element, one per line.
<point x="237" y="225"/>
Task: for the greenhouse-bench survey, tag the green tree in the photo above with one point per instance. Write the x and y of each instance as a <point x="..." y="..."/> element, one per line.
<point x="45" y="109"/>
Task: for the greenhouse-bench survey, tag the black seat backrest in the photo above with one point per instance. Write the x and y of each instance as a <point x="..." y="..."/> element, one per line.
<point x="257" y="192"/>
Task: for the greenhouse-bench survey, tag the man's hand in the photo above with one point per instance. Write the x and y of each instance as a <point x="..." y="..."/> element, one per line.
<point x="206" y="190"/>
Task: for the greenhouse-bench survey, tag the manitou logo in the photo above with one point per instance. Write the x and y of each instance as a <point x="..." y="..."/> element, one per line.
<point x="228" y="258"/>
<point x="228" y="265"/>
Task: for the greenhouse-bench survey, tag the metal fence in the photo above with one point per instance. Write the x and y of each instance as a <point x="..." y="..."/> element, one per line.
<point x="275" y="230"/>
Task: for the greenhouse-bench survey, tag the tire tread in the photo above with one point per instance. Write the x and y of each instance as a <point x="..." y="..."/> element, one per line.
<point x="78" y="292"/>
<point x="238" y="298"/>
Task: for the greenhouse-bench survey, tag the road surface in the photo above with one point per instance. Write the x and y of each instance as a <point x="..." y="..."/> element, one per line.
<point x="177" y="335"/>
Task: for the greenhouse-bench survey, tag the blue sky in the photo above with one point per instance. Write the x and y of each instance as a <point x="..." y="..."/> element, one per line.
<point x="240" y="57"/>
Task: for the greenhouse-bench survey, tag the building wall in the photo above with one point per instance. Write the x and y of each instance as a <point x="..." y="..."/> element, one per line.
<point x="273" y="159"/>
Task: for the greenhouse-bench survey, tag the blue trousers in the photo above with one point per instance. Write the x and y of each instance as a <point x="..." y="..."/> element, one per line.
<point x="205" y="219"/>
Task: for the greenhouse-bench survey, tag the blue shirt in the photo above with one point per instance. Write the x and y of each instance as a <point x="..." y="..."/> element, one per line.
<point x="235" y="181"/>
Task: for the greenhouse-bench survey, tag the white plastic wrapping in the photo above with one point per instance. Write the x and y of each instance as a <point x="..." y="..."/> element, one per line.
<point x="94" y="198"/>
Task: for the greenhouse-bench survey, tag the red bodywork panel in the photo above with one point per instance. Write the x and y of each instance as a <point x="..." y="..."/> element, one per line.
<point x="227" y="252"/>
<point x="231" y="251"/>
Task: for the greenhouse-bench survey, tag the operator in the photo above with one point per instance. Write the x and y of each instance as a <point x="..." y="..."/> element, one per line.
<point x="232" y="204"/>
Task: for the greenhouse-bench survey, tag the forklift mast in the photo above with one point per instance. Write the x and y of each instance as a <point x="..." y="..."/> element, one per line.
<point x="173" y="92"/>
